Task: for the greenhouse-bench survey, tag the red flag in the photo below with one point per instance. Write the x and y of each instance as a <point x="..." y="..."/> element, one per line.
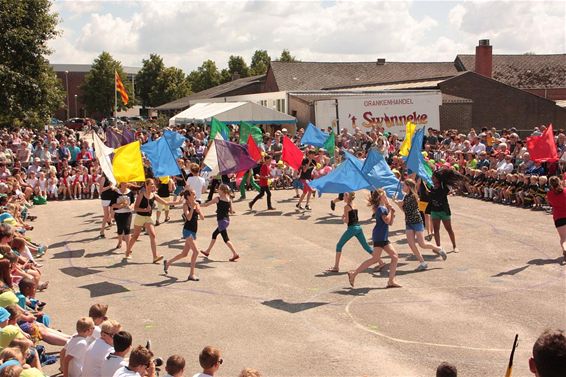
<point x="253" y="150"/>
<point x="120" y="88"/>
<point x="543" y="148"/>
<point x="292" y="155"/>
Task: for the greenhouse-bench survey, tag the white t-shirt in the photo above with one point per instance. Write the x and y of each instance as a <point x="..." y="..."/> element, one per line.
<point x="202" y="375"/>
<point x="95" y="355"/>
<point x="196" y="183"/>
<point x="111" y="364"/>
<point x="76" y="347"/>
<point x="125" y="372"/>
<point x="95" y="334"/>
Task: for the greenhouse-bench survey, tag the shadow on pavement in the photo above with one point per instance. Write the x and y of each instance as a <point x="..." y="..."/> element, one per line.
<point x="78" y="271"/>
<point x="399" y="273"/>
<point x="510" y="272"/>
<point x="103" y="253"/>
<point x="269" y="213"/>
<point x="163" y="283"/>
<point x="85" y="215"/>
<point x="104" y="289"/>
<point x="356" y="291"/>
<point x="292" y="307"/>
<point x="69" y="254"/>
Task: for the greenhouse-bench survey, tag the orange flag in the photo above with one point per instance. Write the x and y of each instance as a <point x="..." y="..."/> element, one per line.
<point x="121" y="89"/>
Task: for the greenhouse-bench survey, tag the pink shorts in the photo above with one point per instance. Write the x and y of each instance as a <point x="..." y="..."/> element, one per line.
<point x="306" y="187"/>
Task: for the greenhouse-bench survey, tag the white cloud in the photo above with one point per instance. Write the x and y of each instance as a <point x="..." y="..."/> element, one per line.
<point x="186" y="33"/>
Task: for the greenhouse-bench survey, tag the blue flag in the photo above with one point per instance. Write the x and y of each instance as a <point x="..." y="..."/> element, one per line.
<point x="346" y="177"/>
<point x="379" y="174"/>
<point x="175" y="141"/>
<point x="415" y="161"/>
<point x="162" y="158"/>
<point x="314" y="136"/>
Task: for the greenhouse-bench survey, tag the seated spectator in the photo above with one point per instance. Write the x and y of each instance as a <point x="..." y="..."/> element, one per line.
<point x="249" y="372"/>
<point x="175" y="366"/>
<point x="210" y="361"/>
<point x="446" y="370"/>
<point x="140" y="364"/>
<point x="100" y="348"/>
<point x="76" y="347"/>
<point x="549" y="354"/>
<point x="116" y="359"/>
<point x="98" y="314"/>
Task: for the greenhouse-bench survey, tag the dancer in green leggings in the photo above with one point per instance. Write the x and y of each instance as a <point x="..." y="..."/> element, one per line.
<point x="248" y="178"/>
<point x="350" y="217"/>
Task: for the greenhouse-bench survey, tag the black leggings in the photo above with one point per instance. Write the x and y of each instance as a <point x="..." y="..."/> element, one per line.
<point x="223" y="233"/>
<point x="123" y="222"/>
<point x="263" y="190"/>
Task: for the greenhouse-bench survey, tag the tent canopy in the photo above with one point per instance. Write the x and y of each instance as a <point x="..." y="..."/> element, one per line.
<point x="231" y="112"/>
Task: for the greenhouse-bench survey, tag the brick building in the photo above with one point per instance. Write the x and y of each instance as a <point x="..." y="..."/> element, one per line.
<point x="72" y="77"/>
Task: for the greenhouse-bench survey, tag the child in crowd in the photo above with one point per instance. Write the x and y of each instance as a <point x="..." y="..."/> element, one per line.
<point x="175" y="366"/>
<point x="210" y="360"/>
<point x="72" y="364"/>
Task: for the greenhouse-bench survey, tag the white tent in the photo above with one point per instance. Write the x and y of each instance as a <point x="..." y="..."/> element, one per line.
<point x="231" y="112"/>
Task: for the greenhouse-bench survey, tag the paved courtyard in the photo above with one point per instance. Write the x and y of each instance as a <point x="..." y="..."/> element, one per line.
<point x="277" y="311"/>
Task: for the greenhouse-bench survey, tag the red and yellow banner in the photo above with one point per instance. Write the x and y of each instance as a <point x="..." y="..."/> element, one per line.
<point x="120" y="88"/>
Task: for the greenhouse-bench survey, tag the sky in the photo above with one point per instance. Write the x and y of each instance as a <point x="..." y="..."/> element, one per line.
<point x="185" y="33"/>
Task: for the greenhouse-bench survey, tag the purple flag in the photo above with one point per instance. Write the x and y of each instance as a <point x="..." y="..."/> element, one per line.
<point x="128" y="136"/>
<point x="113" y="139"/>
<point x="232" y="157"/>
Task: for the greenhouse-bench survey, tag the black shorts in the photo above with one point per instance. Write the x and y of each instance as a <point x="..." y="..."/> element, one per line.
<point x="560" y="222"/>
<point x="380" y="243"/>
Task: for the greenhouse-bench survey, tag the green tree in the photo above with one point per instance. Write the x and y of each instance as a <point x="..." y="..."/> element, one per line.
<point x="206" y="76"/>
<point x="287" y="57"/>
<point x="237" y="65"/>
<point x="170" y="85"/>
<point x="146" y="79"/>
<point x="98" y="87"/>
<point x="260" y="62"/>
<point x="225" y="76"/>
<point x="29" y="89"/>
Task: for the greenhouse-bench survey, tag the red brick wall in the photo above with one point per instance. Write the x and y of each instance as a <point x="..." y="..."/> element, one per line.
<point x="501" y="106"/>
<point x="456" y="116"/>
<point x="270" y="82"/>
<point x="552" y="93"/>
<point x="76" y="79"/>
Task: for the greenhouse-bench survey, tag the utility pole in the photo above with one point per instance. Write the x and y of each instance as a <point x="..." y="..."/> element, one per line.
<point x="67" y="86"/>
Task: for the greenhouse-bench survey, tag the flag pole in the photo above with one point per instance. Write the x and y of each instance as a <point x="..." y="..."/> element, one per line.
<point x="115" y="100"/>
<point x="509" y="370"/>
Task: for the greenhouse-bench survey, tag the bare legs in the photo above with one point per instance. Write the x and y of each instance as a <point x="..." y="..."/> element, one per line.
<point x="190" y="245"/>
<point x="106" y="218"/>
<point x="448" y="226"/>
<point x="150" y="229"/>
<point x="562" y="233"/>
<point x="376" y="258"/>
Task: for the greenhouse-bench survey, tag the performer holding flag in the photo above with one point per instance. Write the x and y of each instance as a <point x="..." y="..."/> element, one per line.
<point x="264" y="175"/>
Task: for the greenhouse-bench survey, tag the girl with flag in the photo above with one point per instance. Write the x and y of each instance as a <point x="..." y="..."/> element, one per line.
<point x="414" y="228"/>
<point x="144" y="208"/>
<point x="556" y="197"/>
<point x="442" y="180"/>
<point x="350" y="218"/>
<point x="106" y="195"/>
<point x="223" y="210"/>
<point x="191" y="215"/>
<point x="384" y="216"/>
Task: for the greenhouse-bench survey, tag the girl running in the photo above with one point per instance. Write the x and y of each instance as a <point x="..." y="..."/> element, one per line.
<point x="349" y="217"/>
<point x="143" y="208"/>
<point x="384" y="216"/>
<point x="164" y="191"/>
<point x="106" y="189"/>
<point x="223" y="210"/>
<point x="122" y="204"/>
<point x="439" y="209"/>
<point x="191" y="215"/>
<point x="556" y="197"/>
<point x="414" y="228"/>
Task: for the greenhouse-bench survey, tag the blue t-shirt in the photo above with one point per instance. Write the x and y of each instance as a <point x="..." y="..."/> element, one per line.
<point x="381" y="230"/>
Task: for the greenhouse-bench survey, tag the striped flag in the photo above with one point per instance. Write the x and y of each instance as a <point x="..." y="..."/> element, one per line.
<point x="120" y="88"/>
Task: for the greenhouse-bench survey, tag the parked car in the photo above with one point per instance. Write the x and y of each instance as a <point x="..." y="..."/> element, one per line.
<point x="55" y="122"/>
<point x="78" y="124"/>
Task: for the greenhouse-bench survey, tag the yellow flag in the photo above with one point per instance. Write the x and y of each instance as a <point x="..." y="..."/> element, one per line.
<point x="410" y="129"/>
<point x="128" y="164"/>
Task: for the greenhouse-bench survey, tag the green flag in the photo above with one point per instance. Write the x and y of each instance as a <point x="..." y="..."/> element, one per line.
<point x="330" y="144"/>
<point x="247" y="129"/>
<point x="217" y="126"/>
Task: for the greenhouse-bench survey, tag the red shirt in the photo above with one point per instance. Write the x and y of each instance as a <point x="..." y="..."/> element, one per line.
<point x="558" y="203"/>
<point x="264" y="173"/>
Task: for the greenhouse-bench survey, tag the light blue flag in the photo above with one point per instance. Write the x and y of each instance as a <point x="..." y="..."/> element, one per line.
<point x="415" y="161"/>
<point x="175" y="141"/>
<point x="379" y="174"/>
<point x="345" y="178"/>
<point x="162" y="158"/>
<point x="314" y="136"/>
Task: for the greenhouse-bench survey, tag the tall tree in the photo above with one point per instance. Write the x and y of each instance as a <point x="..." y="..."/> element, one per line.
<point x="237" y="66"/>
<point x="206" y="76"/>
<point x="29" y="90"/>
<point x="147" y="77"/>
<point x="225" y="76"/>
<point x="170" y="85"/>
<point x="287" y="57"/>
<point x="98" y="87"/>
<point x="260" y="62"/>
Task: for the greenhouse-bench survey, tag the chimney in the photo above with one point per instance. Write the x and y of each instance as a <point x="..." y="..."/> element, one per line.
<point x="380" y="61"/>
<point x="235" y="76"/>
<point x="484" y="60"/>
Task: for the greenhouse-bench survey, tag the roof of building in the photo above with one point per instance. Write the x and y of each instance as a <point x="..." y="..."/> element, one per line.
<point x="329" y="75"/>
<point x="87" y="67"/>
<point x="523" y="71"/>
<point x="215" y="91"/>
<point x="311" y="96"/>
